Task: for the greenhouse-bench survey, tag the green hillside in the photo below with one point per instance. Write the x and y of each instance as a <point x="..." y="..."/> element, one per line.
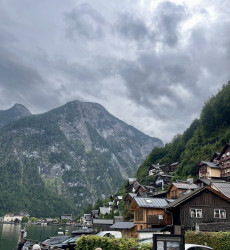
<point x="206" y="135"/>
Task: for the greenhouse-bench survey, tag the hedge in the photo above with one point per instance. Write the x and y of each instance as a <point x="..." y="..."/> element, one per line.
<point x="216" y="240"/>
<point x="91" y="242"/>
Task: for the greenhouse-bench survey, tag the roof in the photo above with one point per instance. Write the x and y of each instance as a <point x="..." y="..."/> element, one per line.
<point x="185" y="185"/>
<point x="223" y="187"/>
<point x="102" y="221"/>
<point x="223" y="150"/>
<point x="210" y="164"/>
<point x="185" y="197"/>
<point x="208" y="181"/>
<point x="151" y="202"/>
<point x="122" y="225"/>
<point x="132" y="195"/>
<point x="131" y="180"/>
<point x="104" y="210"/>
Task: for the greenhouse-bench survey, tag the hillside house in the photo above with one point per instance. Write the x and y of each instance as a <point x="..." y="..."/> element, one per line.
<point x="104" y="210"/>
<point x="203" y="205"/>
<point x="155" y="169"/>
<point x="208" y="170"/>
<point x="145" y="191"/>
<point x="94" y="214"/>
<point x="224" y="161"/>
<point x="150" y="213"/>
<point x="129" y="184"/>
<point x="177" y="189"/>
<point x="86" y="219"/>
<point x="129" y="197"/>
<point x="162" y="180"/>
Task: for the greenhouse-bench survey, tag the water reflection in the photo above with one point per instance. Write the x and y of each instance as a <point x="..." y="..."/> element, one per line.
<point x="10" y="234"/>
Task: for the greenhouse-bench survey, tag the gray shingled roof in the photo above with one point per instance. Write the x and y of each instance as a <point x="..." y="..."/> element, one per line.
<point x="185" y="185"/>
<point x="210" y="164"/>
<point x="151" y="202"/>
<point x="122" y="225"/>
<point x="104" y="210"/>
<point x="102" y="221"/>
<point x="223" y="187"/>
<point x="208" y="181"/>
<point x="132" y="195"/>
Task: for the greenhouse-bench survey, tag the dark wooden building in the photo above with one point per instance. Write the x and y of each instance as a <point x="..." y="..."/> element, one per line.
<point x="204" y="205"/>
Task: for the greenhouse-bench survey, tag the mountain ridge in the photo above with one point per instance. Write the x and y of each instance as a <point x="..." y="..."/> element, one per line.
<point x="78" y="150"/>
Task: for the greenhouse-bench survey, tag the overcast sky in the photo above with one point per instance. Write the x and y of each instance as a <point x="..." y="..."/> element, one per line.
<point x="152" y="64"/>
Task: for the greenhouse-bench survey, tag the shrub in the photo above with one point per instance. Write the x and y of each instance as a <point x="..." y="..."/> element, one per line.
<point x="216" y="240"/>
<point x="91" y="242"/>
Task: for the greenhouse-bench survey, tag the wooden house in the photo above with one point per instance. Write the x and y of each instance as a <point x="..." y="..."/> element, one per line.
<point x="129" y="184"/>
<point x="129" y="197"/>
<point x="102" y="224"/>
<point x="204" y="205"/>
<point x="125" y="227"/>
<point x="224" y="161"/>
<point x="150" y="213"/>
<point x="208" y="170"/>
<point x="162" y="179"/>
<point x="176" y="189"/>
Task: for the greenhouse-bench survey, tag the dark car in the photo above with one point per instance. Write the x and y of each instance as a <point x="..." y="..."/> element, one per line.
<point x="69" y="243"/>
<point x="53" y="241"/>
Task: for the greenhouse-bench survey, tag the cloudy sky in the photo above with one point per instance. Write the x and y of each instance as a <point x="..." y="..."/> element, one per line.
<point x="152" y="64"/>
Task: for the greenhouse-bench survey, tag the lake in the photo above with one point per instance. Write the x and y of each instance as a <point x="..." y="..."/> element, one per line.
<point x="10" y="233"/>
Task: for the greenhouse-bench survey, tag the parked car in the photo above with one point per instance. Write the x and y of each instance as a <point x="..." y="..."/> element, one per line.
<point x="145" y="241"/>
<point x="111" y="234"/>
<point x="69" y="243"/>
<point x="49" y="243"/>
<point x="197" y="247"/>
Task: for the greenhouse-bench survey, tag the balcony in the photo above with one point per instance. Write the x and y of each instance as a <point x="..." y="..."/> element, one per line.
<point x="156" y="220"/>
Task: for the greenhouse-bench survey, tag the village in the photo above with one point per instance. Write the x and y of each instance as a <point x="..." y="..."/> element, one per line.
<point x="201" y="205"/>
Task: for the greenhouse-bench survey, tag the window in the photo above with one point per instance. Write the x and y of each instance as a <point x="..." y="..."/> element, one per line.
<point x="140" y="214"/>
<point x="220" y="213"/>
<point x="196" y="213"/>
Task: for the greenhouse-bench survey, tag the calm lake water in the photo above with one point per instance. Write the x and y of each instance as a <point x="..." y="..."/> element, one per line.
<point x="10" y="234"/>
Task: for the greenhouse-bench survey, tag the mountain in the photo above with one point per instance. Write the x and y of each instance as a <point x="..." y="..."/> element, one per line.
<point x="78" y="151"/>
<point x="199" y="142"/>
<point x="17" y="112"/>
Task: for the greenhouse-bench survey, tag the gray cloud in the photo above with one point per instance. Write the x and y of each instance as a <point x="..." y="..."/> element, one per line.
<point x="151" y="66"/>
<point x="131" y="27"/>
<point x="84" y="21"/>
<point x="168" y="19"/>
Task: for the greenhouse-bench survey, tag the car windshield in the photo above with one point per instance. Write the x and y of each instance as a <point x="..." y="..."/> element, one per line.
<point x="72" y="239"/>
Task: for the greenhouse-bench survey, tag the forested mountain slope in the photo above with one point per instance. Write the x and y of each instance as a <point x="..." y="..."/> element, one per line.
<point x="78" y="151"/>
<point x="205" y="136"/>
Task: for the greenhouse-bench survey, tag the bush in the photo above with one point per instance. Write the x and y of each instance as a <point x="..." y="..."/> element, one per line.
<point x="91" y="242"/>
<point x="216" y="240"/>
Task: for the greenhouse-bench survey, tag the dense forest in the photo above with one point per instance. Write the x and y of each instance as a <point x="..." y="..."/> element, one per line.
<point x="206" y="135"/>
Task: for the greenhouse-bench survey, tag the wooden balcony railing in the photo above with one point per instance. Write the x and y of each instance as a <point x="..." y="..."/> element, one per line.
<point x="157" y="220"/>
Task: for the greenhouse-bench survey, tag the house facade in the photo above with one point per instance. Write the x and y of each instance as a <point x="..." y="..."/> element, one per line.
<point x="150" y="213"/>
<point x="208" y="170"/>
<point x="204" y="205"/>
<point x="176" y="189"/>
<point x="224" y="161"/>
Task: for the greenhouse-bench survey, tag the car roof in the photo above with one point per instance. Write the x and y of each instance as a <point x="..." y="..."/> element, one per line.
<point x="187" y="246"/>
